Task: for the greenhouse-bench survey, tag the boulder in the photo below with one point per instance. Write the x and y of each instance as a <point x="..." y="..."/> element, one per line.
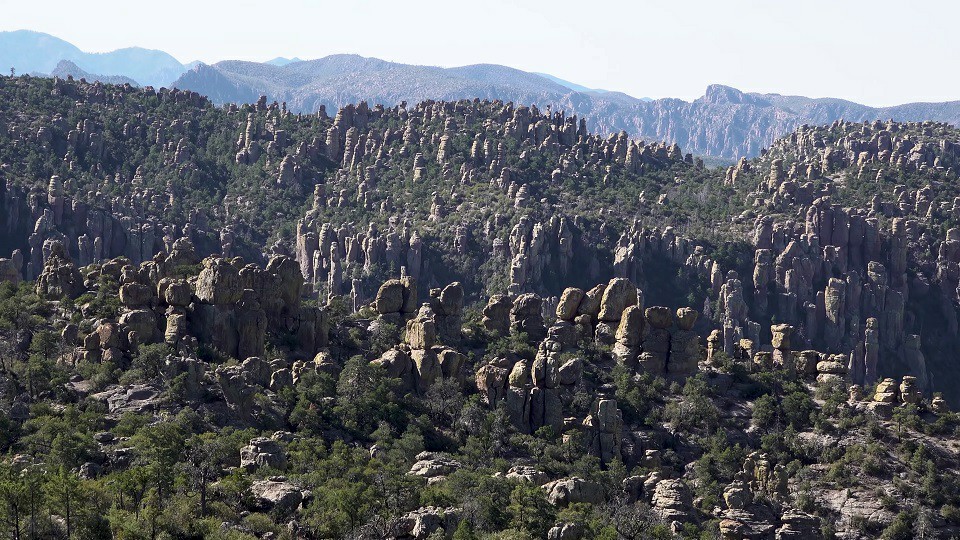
<point x="619" y="294"/>
<point x="422" y="332"/>
<point x="496" y="315"/>
<point x="135" y="295"/>
<point x="263" y="452"/>
<point x="275" y="495"/>
<point x="219" y="282"/>
<point x="686" y="318"/>
<point x="659" y="317"/>
<point x="60" y="278"/>
<point x="672" y="501"/>
<point x="177" y="293"/>
<point x="433" y="465"/>
<point x="569" y="303"/>
<point x="886" y="391"/>
<point x="573" y="490"/>
<point x="389" y="297"/>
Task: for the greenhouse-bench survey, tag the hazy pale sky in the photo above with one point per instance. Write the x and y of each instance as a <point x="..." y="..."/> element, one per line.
<point x="878" y="52"/>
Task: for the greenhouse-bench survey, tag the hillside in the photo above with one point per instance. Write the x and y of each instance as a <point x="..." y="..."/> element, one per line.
<point x="725" y="122"/>
<point x="467" y="319"/>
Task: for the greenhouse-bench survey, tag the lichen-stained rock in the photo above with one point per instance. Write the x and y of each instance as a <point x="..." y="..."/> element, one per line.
<point x="909" y="390"/>
<point x="573" y="490"/>
<point x="138" y="398"/>
<point x="433" y="465"/>
<point x="451" y="362"/>
<point x="238" y="390"/>
<point x="604" y="427"/>
<point x="283" y="299"/>
<point x="109" y="335"/>
<point x="526" y="473"/>
<point x="426" y="522"/>
<point x="684" y="354"/>
<point x="60" y="278"/>
<point x="656" y="342"/>
<point x="492" y="383"/>
<point x="659" y="317"/>
<point x="796" y="525"/>
<point x="672" y="501"/>
<point x="251" y="323"/>
<point x="569" y="303"/>
<point x="686" y="318"/>
<point x="590" y="305"/>
<point x="526" y="317"/>
<point x="887" y="391"/>
<point x="279" y="496"/>
<point x="422" y="330"/>
<point x="219" y="282"/>
<point x="629" y="335"/>
<point x="142" y="321"/>
<point x="619" y="294"/>
<point x="11" y="270"/>
<point x="566" y="531"/>
<point x="427" y="368"/>
<point x="496" y="315"/>
<point x="135" y="295"/>
<point x="396" y="363"/>
<point x="447" y="304"/>
<point x="175" y="292"/>
<point x="389" y="297"/>
<point x="263" y="452"/>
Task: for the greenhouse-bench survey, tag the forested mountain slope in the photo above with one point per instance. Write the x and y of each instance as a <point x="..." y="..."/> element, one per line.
<point x="466" y="319"/>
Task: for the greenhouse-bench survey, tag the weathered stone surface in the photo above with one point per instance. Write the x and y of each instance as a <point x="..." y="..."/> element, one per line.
<point x="526" y="316"/>
<point x="427" y="368"/>
<point x="138" y="398"/>
<point x="672" y="501"/>
<point x="422" y="332"/>
<point x="135" y="295"/>
<point x="619" y="294"/>
<point x="604" y="427"/>
<point x="686" y="318"/>
<point x="432" y="465"/>
<point x="278" y="495"/>
<point x="60" y="278"/>
<point x="659" y="317"/>
<point x="141" y="321"/>
<point x="573" y="490"/>
<point x="496" y="315"/>
<point x="219" y="282"/>
<point x="887" y="391"/>
<point x="263" y="452"/>
<point x="176" y="292"/>
<point x="909" y="390"/>
<point x="389" y="297"/>
<point x="569" y="303"/>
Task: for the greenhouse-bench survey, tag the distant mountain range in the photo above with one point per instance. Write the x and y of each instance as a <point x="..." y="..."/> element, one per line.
<point x="67" y="68"/>
<point x="725" y="123"/>
<point x="35" y="52"/>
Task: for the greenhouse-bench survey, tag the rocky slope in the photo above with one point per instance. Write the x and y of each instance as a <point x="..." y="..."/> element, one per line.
<point x="466" y="319"/>
<point x="511" y="199"/>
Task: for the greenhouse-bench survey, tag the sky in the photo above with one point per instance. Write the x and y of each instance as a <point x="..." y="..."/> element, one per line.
<point x="879" y="52"/>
